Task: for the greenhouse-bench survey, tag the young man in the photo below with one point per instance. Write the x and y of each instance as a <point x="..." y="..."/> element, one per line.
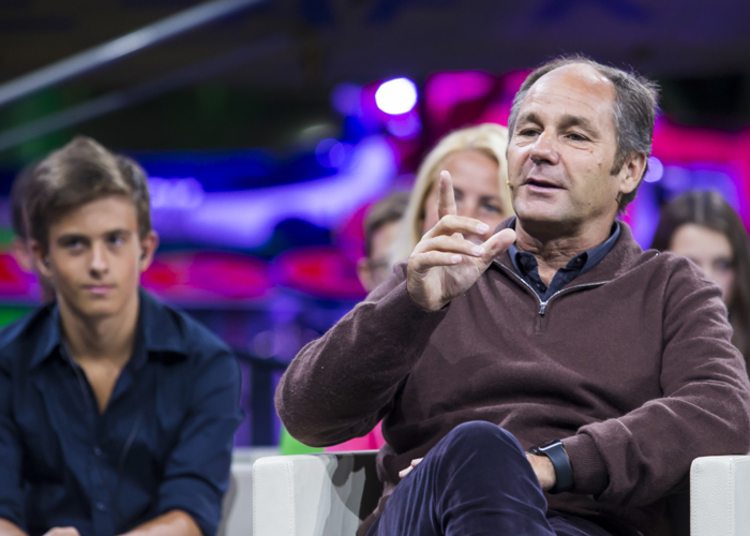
<point x="553" y="380"/>
<point x="117" y="413"/>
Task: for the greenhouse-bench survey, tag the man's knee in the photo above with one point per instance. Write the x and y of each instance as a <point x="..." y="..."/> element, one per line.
<point x="474" y="435"/>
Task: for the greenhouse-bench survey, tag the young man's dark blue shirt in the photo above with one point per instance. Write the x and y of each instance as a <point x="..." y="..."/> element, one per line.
<point x="163" y="443"/>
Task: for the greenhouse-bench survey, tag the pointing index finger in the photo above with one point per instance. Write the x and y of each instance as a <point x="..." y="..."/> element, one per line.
<point x="446" y="200"/>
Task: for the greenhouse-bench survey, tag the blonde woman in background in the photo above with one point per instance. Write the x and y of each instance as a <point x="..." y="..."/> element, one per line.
<point x="475" y="158"/>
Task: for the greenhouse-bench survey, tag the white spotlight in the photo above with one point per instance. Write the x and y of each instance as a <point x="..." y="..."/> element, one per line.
<point x="396" y="96"/>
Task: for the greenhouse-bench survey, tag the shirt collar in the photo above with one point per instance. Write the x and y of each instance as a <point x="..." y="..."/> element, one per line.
<point x="49" y="338"/>
<point x="592" y="256"/>
<point x="158" y="336"/>
<point x="596" y="254"/>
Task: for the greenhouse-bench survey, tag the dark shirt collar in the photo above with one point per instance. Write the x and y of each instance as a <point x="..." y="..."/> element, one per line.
<point x="591" y="257"/>
<point x="527" y="266"/>
<point x="157" y="336"/>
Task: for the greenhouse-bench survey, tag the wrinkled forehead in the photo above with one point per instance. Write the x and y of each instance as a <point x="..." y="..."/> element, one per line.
<point x="577" y="87"/>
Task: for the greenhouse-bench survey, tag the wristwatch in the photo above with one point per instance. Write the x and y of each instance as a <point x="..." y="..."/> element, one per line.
<point x="555" y="451"/>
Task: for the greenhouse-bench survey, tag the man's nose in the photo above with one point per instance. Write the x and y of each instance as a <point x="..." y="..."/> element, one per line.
<point x="544" y="149"/>
<point x="99" y="262"/>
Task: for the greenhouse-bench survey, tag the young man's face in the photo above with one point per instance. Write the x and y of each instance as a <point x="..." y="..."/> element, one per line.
<point x="95" y="257"/>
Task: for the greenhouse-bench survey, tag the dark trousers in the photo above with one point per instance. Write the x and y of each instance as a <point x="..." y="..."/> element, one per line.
<point x="476" y="481"/>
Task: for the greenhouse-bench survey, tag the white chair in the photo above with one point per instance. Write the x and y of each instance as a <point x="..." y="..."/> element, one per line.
<point x="314" y="495"/>
<point x="720" y="496"/>
<point x="237" y="508"/>
<point x="329" y="494"/>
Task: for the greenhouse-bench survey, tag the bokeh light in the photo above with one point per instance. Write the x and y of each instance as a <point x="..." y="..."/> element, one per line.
<point x="655" y="170"/>
<point x="397" y="96"/>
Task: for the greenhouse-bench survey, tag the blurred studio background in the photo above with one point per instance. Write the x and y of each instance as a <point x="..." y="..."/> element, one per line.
<point x="268" y="127"/>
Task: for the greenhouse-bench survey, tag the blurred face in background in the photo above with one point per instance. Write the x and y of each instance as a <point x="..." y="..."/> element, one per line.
<point x="710" y="250"/>
<point x="374" y="269"/>
<point x="476" y="188"/>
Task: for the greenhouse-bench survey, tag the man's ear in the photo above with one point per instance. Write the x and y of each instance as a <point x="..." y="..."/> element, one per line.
<point x="21" y="252"/>
<point x="632" y="172"/>
<point x="149" y="244"/>
<point x="41" y="259"/>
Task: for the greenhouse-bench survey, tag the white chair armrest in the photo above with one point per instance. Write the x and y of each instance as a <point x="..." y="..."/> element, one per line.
<point x="237" y="507"/>
<point x="313" y="495"/>
<point x="720" y="496"/>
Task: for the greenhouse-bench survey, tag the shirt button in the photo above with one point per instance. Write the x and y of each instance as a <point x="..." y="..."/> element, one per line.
<point x="97" y="451"/>
<point x="101" y="507"/>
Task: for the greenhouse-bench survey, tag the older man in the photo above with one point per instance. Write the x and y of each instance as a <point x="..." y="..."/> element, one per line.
<point x="611" y="365"/>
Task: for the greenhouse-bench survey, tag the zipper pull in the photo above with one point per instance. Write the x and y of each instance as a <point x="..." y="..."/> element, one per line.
<point x="542" y="307"/>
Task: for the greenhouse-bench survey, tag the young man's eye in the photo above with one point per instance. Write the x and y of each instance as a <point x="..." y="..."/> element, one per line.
<point x="116" y="240"/>
<point x="73" y="244"/>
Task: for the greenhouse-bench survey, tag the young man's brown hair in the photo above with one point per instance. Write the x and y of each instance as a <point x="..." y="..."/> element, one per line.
<point x="81" y="172"/>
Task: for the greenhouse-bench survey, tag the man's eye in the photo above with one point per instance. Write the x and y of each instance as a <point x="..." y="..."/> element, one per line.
<point x="577" y="137"/>
<point x="117" y="240"/>
<point x="74" y="244"/>
<point x="528" y="132"/>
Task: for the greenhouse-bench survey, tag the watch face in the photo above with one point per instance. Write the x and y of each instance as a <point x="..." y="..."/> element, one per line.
<point x="549" y="443"/>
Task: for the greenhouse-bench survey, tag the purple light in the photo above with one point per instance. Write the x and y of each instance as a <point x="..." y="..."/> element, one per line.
<point x="346" y="98"/>
<point x="331" y="153"/>
<point x="397" y="96"/>
<point x="404" y="126"/>
<point x="247" y="218"/>
<point x="655" y="170"/>
<point x="180" y="193"/>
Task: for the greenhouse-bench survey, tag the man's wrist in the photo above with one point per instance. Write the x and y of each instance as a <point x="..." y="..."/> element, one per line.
<point x="555" y="451"/>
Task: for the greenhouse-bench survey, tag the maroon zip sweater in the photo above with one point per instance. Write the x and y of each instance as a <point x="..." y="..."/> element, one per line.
<point x="631" y="365"/>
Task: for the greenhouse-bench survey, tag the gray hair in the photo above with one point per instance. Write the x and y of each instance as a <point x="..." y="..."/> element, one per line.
<point x="634" y="111"/>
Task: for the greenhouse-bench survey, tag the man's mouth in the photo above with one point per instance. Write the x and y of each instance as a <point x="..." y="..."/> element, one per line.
<point x="99" y="289"/>
<point x="541" y="183"/>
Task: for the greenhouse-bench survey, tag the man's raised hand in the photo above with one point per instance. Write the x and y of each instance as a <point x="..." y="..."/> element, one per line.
<point x="444" y="264"/>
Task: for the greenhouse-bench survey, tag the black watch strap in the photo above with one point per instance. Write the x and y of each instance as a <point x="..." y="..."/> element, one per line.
<point x="555" y="451"/>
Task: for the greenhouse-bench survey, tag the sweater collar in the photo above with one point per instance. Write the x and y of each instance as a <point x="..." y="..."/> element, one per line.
<point x="624" y="254"/>
<point x="588" y="259"/>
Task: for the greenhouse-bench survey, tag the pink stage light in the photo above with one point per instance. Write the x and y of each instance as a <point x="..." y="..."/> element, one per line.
<point x="445" y="91"/>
